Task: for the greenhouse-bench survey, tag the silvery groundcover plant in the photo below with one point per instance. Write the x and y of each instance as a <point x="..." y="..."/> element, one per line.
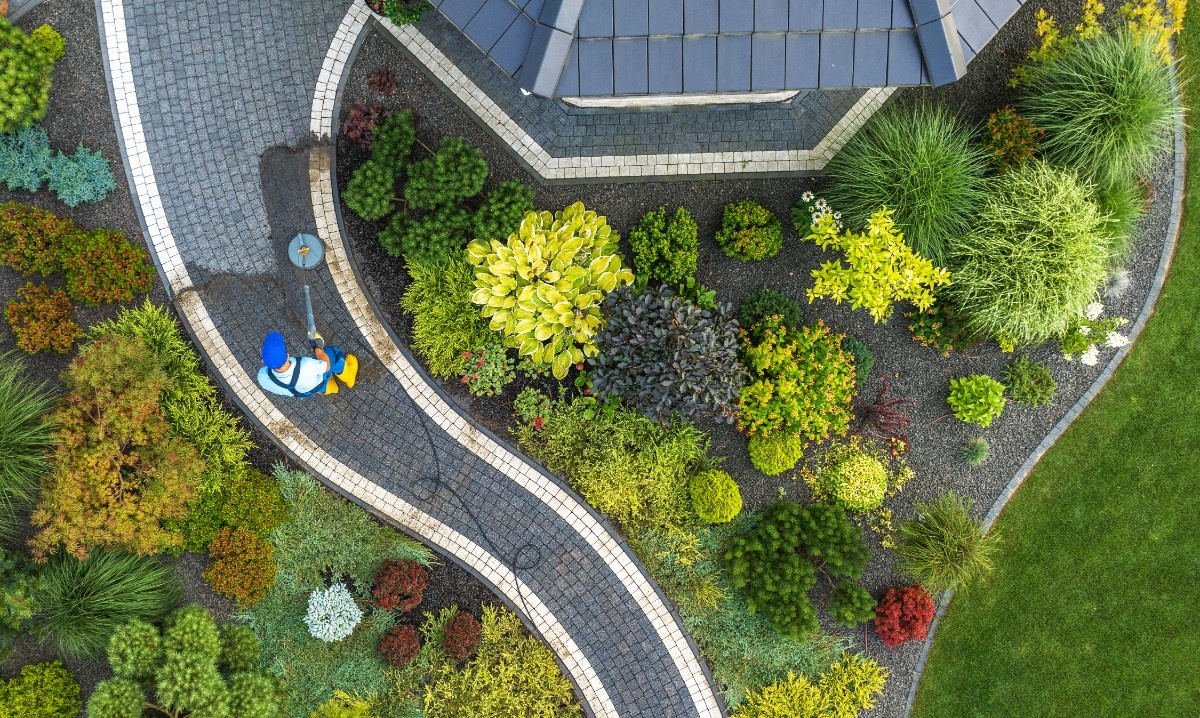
<point x="332" y="613"/>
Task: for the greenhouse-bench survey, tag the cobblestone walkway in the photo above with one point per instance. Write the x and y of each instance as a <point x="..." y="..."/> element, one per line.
<point x="200" y="93"/>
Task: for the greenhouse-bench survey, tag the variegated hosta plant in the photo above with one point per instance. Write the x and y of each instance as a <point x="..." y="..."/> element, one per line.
<point x="542" y="288"/>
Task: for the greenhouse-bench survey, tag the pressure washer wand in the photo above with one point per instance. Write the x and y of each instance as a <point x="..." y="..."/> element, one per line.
<point x="313" y="337"/>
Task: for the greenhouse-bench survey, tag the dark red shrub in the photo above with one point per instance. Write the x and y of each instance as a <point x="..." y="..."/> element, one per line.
<point x="382" y="80"/>
<point x="399" y="584"/>
<point x="904" y="614"/>
<point x="399" y="645"/>
<point x="462" y="636"/>
<point x="360" y="122"/>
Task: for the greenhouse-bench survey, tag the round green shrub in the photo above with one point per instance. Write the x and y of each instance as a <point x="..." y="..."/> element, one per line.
<point x="429" y="238"/>
<point x="851" y="604"/>
<point x="40" y="690"/>
<point x="923" y="165"/>
<point x="776" y="453"/>
<point x="257" y="694"/>
<point x="749" y="231"/>
<point x="977" y="451"/>
<point x="665" y="249"/>
<point x="767" y="565"/>
<point x="25" y="76"/>
<point x="864" y="360"/>
<point x="976" y="399"/>
<point x="1035" y="258"/>
<point x="116" y="698"/>
<point x="945" y="547"/>
<point x="371" y="190"/>
<point x="859" y="481"/>
<point x="765" y="302"/>
<point x="135" y="650"/>
<point x="1029" y="382"/>
<point x="1106" y="104"/>
<point x="51" y="43"/>
<point x="715" y="496"/>
<point x="392" y="140"/>
<point x="192" y="630"/>
<point x="456" y="172"/>
<point x="831" y="541"/>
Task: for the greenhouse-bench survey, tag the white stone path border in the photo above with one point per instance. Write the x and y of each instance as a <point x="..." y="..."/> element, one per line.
<point x="191" y="307"/>
<point x="450" y="420"/>
<point x="658" y="166"/>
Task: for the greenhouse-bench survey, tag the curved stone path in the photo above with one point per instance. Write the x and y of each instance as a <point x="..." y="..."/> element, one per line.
<point x="199" y="94"/>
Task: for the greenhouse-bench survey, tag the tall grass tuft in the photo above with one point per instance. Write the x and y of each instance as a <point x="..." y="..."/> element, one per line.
<point x="944" y="546"/>
<point x="1124" y="201"/>
<point x="25" y="437"/>
<point x="1106" y="105"/>
<point x="82" y="602"/>
<point x="1036" y="257"/>
<point x="923" y="165"/>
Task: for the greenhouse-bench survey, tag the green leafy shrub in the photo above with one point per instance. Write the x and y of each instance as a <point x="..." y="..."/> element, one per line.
<point x="81" y="177"/>
<point x="976" y="399"/>
<point x="801" y="382"/>
<point x="775" y="453"/>
<point x="857" y="481"/>
<point x="715" y="496"/>
<point x="455" y="173"/>
<point x="429" y="238"/>
<point x="1107" y="106"/>
<point x="531" y="405"/>
<point x="462" y="636"/>
<point x="864" y="360"/>
<point x="501" y="212"/>
<point x="768" y="566"/>
<point x="42" y="319"/>
<point x="403" y="12"/>
<point x="25" y="157"/>
<point x="511" y="669"/>
<point x="977" y="451"/>
<point x="446" y="326"/>
<point x="40" y="690"/>
<point x="665" y="356"/>
<point x="243" y="565"/>
<point x="19" y="585"/>
<point x="253" y="501"/>
<point x="858" y="475"/>
<point x="51" y="43"/>
<point x="543" y="288"/>
<point x="104" y="266"/>
<point x="25" y="439"/>
<point x="488" y="370"/>
<point x="765" y="302"/>
<point x="122" y="477"/>
<point x="1035" y="257"/>
<point x="623" y="464"/>
<point x="25" y="76"/>
<point x="879" y="268"/>
<point x="1012" y="139"/>
<point x="186" y="677"/>
<point x="851" y="604"/>
<point x="31" y="239"/>
<point x="942" y="328"/>
<point x="749" y="231"/>
<point x="371" y="190"/>
<point x="1029" y="382"/>
<point x="923" y="165"/>
<point x="945" y="547"/>
<point x="665" y="249"/>
<point x="83" y="602"/>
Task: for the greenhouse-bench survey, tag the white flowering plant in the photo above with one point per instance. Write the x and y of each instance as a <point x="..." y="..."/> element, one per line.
<point x="332" y="613"/>
<point x="810" y="210"/>
<point x="1092" y="332"/>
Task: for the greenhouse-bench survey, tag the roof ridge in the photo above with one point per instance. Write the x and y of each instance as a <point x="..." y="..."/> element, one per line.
<point x="549" y="47"/>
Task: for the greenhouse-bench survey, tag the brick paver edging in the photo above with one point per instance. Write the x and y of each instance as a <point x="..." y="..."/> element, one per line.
<point x="674" y="165"/>
<point x="1170" y="239"/>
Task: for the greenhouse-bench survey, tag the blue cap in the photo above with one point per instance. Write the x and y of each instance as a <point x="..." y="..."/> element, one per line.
<point x="274" y="352"/>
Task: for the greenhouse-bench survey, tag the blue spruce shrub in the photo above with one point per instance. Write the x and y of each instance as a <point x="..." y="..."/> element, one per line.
<point x="25" y="158"/>
<point x="81" y="177"/>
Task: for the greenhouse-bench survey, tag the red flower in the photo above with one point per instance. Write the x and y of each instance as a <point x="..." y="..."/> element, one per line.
<point x="538" y="422"/>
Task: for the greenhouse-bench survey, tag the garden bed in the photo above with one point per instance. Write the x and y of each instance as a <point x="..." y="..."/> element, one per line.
<point x="923" y="373"/>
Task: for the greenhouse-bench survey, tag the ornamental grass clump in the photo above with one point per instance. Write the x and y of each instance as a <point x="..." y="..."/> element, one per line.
<point x="1035" y="258"/>
<point x="944" y="547"/>
<point x="665" y="356"/>
<point x="749" y="231"/>
<point x="332" y="613"/>
<point x="1106" y="104"/>
<point x="665" y="249"/>
<point x="976" y="399"/>
<point x="26" y="437"/>
<point x="542" y="289"/>
<point x="923" y="165"/>
<point x="976" y="451"/>
<point x="878" y="268"/>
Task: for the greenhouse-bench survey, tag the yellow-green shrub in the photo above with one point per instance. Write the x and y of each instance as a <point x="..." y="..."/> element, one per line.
<point x="878" y="269"/>
<point x="542" y="288"/>
<point x="343" y="705"/>
<point x="850" y="685"/>
<point x="715" y="496"/>
<point x="776" y="453"/>
<point x="42" y="690"/>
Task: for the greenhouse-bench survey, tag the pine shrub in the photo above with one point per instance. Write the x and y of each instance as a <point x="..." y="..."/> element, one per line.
<point x="240" y="649"/>
<point x="904" y="614"/>
<point x="134" y="650"/>
<point x="455" y="173"/>
<point x="50" y="41"/>
<point x="749" y="231"/>
<point x="500" y="213"/>
<point x="371" y="190"/>
<point x="831" y="541"/>
<point x="715" y="496"/>
<point x="399" y="584"/>
<point x="944" y="546"/>
<point x="775" y="453"/>
<point x="25" y="76"/>
<point x="462" y="636"/>
<point x="768" y="566"/>
<point x="665" y="249"/>
<point x="42" y="319"/>
<point x="242" y="567"/>
<point x="1029" y="382"/>
<point x="25" y="157"/>
<point x="427" y="239"/>
<point x="851" y="604"/>
<point x="103" y="266"/>
<point x="765" y="302"/>
<point x="392" y="140"/>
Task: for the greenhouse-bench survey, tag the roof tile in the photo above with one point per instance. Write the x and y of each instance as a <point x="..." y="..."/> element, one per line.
<point x="803" y="54"/>
<point x="699" y="63"/>
<point x="595" y="66"/>
<point x="767" y="66"/>
<point x="629" y="65"/>
<point x="837" y="59"/>
<point x="665" y="64"/>
<point x="870" y="58"/>
<point x="733" y="63"/>
<point x="631" y="17"/>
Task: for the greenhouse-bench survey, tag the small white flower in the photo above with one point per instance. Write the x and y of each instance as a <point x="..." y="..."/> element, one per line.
<point x="1093" y="311"/>
<point x="822" y="205"/>
<point x="837" y="215"/>
<point x="1085" y="330"/>
<point x="806" y="197"/>
<point x="1091" y="356"/>
<point x="1116" y="340"/>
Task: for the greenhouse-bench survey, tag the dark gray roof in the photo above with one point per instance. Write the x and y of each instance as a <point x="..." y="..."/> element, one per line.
<point x="565" y="48"/>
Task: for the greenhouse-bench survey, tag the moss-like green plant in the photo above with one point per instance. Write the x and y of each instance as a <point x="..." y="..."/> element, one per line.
<point x="749" y="231"/>
<point x="50" y="41"/>
<point x="775" y="453"/>
<point x="25" y="76"/>
<point x="456" y="172"/>
<point x="864" y="360"/>
<point x="501" y="212"/>
<point x="715" y="496"/>
<point x="976" y="399"/>
<point x="429" y="238"/>
<point x="857" y="481"/>
<point x="542" y="288"/>
<point x="765" y="302"/>
<point x="1029" y="382"/>
<point x="945" y="547"/>
<point x="851" y="604"/>
<point x="665" y="249"/>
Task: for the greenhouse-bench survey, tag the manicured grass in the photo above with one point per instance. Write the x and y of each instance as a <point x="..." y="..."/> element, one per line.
<point x="1091" y="610"/>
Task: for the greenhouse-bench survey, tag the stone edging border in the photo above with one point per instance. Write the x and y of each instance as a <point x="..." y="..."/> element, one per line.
<point x="18" y="8"/>
<point x="622" y="168"/>
<point x="1170" y="240"/>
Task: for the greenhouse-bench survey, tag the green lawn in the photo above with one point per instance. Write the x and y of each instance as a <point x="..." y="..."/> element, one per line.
<point x="1092" y="610"/>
